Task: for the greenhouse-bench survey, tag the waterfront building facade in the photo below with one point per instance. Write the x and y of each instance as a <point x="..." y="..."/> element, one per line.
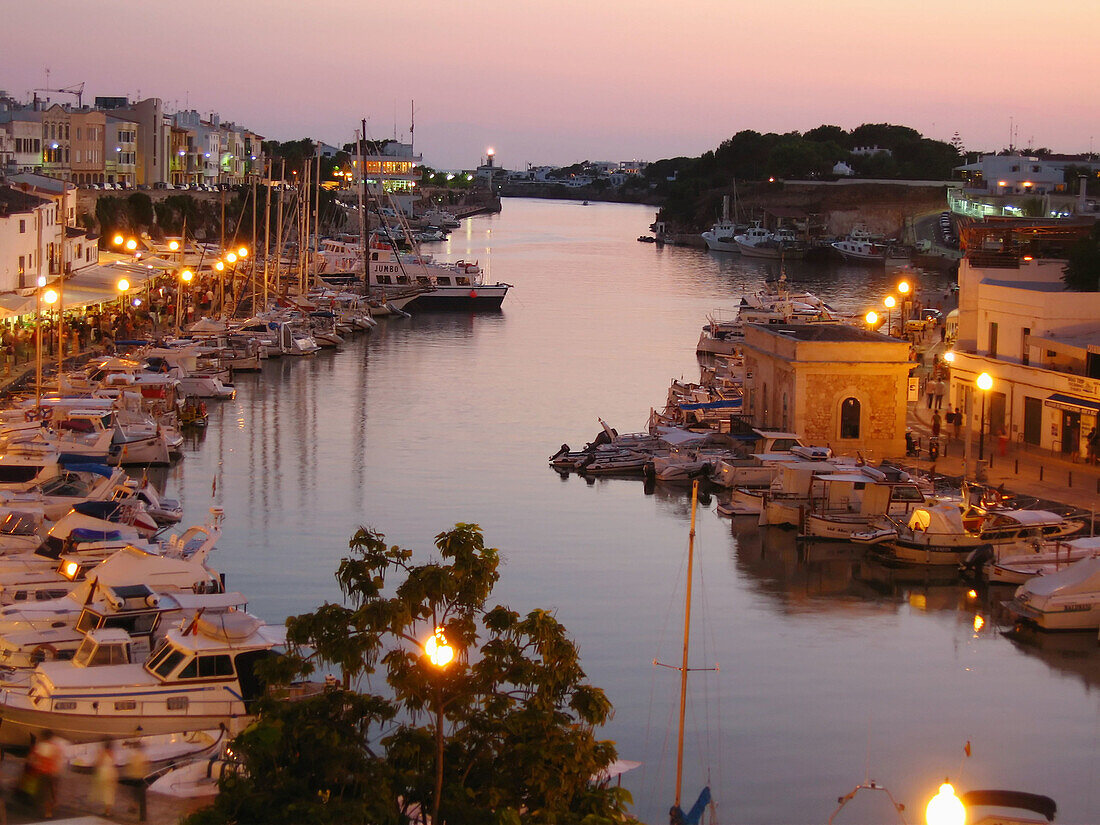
<point x="24" y="217"/>
<point x="831" y="383"/>
<point x="1038" y="340"/>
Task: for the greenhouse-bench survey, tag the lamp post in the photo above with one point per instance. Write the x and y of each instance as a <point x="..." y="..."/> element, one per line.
<point x="440" y="654"/>
<point x="871" y="318"/>
<point x="123" y="285"/>
<point x="889" y="302"/>
<point x="185" y="276"/>
<point x="38" y="343"/>
<point x="903" y="289"/>
<point x="985" y="384"/>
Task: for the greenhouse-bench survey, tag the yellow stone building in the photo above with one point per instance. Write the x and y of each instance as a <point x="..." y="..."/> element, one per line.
<point x="833" y="384"/>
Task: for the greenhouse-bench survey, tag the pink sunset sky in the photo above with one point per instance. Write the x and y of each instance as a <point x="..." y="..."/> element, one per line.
<point x="555" y="83"/>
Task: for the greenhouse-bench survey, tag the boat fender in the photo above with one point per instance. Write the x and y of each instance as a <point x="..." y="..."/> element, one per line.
<point x="473" y="293"/>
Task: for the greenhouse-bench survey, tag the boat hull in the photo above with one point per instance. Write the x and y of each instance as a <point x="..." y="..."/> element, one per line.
<point x="478" y="298"/>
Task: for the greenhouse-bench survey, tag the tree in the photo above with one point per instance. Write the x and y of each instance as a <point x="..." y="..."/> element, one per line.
<point x="1082" y="270"/>
<point x="508" y="727"/>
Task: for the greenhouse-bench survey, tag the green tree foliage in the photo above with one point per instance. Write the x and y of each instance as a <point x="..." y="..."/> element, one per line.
<point x="512" y="716"/>
<point x="1082" y="271"/>
<point x="140" y="207"/>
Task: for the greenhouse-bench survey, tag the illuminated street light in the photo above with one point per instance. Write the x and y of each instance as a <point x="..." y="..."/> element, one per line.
<point x="945" y="808"/>
<point x="439" y="652"/>
<point x="949" y="356"/>
<point x="131" y="245"/>
<point x="242" y="252"/>
<point x="174" y="245"/>
<point x="218" y="265"/>
<point x="123" y="285"/>
<point x="50" y="296"/>
<point x="231" y="258"/>
<point x="871" y="318"/>
<point x="889" y="302"/>
<point x="118" y="240"/>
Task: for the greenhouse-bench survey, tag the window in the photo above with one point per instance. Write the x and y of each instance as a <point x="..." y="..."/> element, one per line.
<point x="177" y="703"/>
<point x="849" y="418"/>
<point x="126" y="704"/>
<point x="992" y="339"/>
<point x="1025" y="352"/>
<point x="22" y="228"/>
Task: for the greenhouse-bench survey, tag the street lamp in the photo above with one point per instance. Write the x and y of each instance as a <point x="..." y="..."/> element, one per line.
<point x="871" y="318"/>
<point x="118" y="240"/>
<point x="949" y="356"/>
<point x="440" y="654"/>
<point x="945" y="808"/>
<point x="985" y="384"/>
<point x="185" y="276"/>
<point x="889" y="302"/>
<point x="38" y="343"/>
<point x="904" y="288"/>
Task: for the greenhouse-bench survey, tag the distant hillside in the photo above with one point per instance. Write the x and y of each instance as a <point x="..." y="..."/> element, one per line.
<point x="692" y="188"/>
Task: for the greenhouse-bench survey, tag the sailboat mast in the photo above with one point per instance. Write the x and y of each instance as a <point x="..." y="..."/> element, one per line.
<point x="359" y="188"/>
<point x="267" y="232"/>
<point x="687" y="636"/>
<point x="279" y="230"/>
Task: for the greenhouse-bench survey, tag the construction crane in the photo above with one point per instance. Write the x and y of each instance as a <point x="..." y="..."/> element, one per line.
<point x="76" y="89"/>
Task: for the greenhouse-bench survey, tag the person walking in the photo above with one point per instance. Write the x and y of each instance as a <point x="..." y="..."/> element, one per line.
<point x="134" y="773"/>
<point x="929" y="390"/>
<point x="940" y="389"/>
<point x="105" y="780"/>
<point x="45" y="762"/>
<point x="936" y="424"/>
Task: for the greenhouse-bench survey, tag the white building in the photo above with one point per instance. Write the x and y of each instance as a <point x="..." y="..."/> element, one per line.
<point x="27" y="226"/>
<point x="1021" y="174"/>
<point x="1038" y="341"/>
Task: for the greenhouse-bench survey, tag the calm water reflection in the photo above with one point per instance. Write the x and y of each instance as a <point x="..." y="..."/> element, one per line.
<point x="829" y="667"/>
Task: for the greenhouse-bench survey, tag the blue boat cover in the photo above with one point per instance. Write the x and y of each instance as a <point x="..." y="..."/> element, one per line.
<point x="692" y="817"/>
<point x="86" y="534"/>
<point x="723" y="404"/>
<point x="88" y="467"/>
<point x="105" y="510"/>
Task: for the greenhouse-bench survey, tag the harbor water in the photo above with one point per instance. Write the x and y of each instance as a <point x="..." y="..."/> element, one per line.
<point x="830" y="670"/>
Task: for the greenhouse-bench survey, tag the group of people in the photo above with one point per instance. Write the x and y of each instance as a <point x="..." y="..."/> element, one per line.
<point x="38" y="784"/>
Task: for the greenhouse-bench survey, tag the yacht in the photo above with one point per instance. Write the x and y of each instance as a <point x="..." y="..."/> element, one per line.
<point x="202" y="676"/>
<point x="758" y="242"/>
<point x="722" y="236"/>
<point x="459" y="285"/>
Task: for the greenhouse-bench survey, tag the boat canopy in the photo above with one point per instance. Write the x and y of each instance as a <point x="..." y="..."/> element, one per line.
<point x="1028" y="518"/>
<point x="1080" y="577"/>
<point x="941" y="518"/>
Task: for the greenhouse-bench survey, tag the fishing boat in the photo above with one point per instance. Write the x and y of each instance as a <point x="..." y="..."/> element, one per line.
<point x="850" y="502"/>
<point x="861" y="246"/>
<point x="721" y="236"/>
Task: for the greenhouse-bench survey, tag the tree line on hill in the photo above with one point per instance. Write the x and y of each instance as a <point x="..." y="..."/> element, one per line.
<point x="754" y="157"/>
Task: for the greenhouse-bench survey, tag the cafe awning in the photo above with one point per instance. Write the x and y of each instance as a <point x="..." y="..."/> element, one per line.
<point x="1071" y="404"/>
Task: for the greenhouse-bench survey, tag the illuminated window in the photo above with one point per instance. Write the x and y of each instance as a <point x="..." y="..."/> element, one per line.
<point x="849" y="418"/>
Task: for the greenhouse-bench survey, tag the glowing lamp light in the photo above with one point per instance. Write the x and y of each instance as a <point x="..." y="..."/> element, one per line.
<point x="219" y="266"/>
<point x="949" y="356"/>
<point x="231" y="257"/>
<point x="889" y="302"/>
<point x="945" y="808"/>
<point x="972" y="594"/>
<point x="903" y="287"/>
<point x="123" y="285"/>
<point x="182" y="153"/>
<point x="53" y="145"/>
<point x="41" y="280"/>
<point x="50" y="296"/>
<point x="871" y="318"/>
<point x="771" y="180"/>
<point x="186" y="275"/>
<point x="131" y="244"/>
<point x="118" y="240"/>
<point x="1002" y="183"/>
<point x="242" y="252"/>
<point x="173" y="245"/>
<point x="1027" y="258"/>
<point x="979" y="623"/>
<point x="440" y="653"/>
<point x="984" y="381"/>
<point x="70" y="570"/>
<point x="137" y="302"/>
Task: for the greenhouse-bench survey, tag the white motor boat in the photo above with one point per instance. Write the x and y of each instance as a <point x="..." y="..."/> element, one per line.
<point x="201" y="677"/>
<point x="1068" y="599"/>
<point x="850" y="502"/>
<point x="948" y="532"/>
<point x="1048" y="557"/>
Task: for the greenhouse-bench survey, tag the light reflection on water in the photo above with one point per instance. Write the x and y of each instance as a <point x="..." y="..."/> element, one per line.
<point x="829" y="667"/>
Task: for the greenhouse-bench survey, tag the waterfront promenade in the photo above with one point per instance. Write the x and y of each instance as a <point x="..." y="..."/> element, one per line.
<point x="1021" y="468"/>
